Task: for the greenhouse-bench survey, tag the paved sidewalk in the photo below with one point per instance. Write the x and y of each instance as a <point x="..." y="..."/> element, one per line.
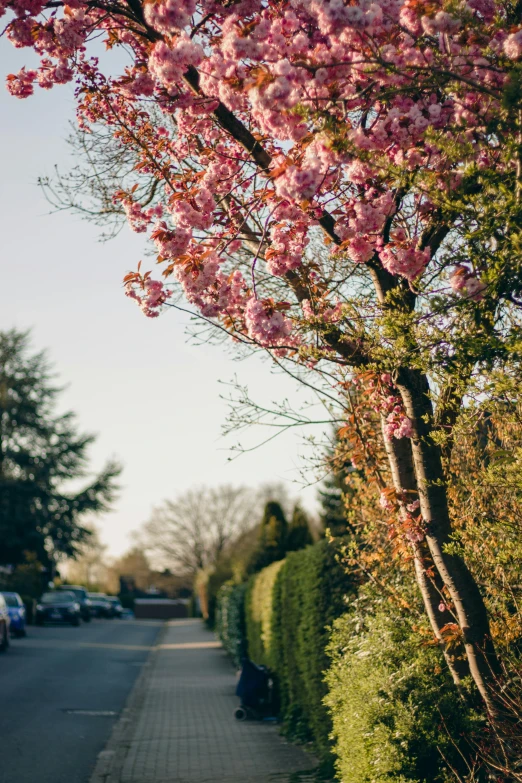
<point x="178" y="726"/>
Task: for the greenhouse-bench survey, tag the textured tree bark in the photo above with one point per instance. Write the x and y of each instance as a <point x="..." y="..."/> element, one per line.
<point x="462" y="588"/>
<point x="403" y="475"/>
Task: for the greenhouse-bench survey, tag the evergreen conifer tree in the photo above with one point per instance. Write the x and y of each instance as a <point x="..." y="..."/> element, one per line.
<point x="299" y="535"/>
<point x="333" y="514"/>
<point x="272" y="538"/>
<point x="39" y="452"/>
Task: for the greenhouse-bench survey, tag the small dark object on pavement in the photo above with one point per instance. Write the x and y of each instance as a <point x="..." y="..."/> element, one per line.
<point x="255" y="692"/>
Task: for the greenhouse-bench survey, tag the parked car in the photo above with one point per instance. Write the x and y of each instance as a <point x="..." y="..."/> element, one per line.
<point x="117" y="608"/>
<point x="58" y="606"/>
<point x="16" y="611"/>
<point x="83" y="599"/>
<point x="4" y="625"/>
<point x="100" y="605"/>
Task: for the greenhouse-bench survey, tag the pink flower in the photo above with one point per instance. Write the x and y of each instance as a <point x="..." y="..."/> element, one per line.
<point x="20" y="32"/>
<point x="137" y="218"/>
<point x="265" y="324"/>
<point x="466" y="284"/>
<point x="404" y="261"/>
<point x="389" y="429"/>
<point x="404" y="428"/>
<point x="171" y="244"/>
<point x="169" y="16"/>
<point x="415" y="534"/>
<point x="299" y="184"/>
<point x="21" y="84"/>
<point x="398" y="425"/>
<point x="149" y="296"/>
<point x="513" y="45"/>
<point x="360" y="250"/>
<point x="442" y="22"/>
<point x="385" y="502"/>
<point x="169" y="63"/>
<point x="411" y="507"/>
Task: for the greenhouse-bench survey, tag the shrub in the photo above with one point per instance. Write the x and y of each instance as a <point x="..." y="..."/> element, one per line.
<point x="289" y="607"/>
<point x="259" y="602"/>
<point x="309" y="595"/>
<point x="396" y="713"/>
<point x="230" y="619"/>
<point x="215" y="580"/>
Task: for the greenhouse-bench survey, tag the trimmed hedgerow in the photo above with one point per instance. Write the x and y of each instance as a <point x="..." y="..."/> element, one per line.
<point x="309" y="595"/>
<point x="289" y="608"/>
<point x="230" y="619"/>
<point x="259" y="615"/>
<point x="396" y="714"/>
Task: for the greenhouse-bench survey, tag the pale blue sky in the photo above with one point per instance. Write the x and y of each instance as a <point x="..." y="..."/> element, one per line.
<point x="152" y="398"/>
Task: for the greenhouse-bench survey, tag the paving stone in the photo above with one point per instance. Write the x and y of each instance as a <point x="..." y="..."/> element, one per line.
<point x="182" y="728"/>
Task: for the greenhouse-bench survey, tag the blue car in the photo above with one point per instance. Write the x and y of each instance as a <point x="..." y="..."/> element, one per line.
<point x="16" y="610"/>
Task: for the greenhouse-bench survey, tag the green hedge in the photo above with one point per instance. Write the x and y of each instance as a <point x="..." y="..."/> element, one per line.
<point x="216" y="579"/>
<point x="289" y="608"/>
<point x="309" y="595"/>
<point x="396" y="713"/>
<point x="230" y="619"/>
<point x="259" y="605"/>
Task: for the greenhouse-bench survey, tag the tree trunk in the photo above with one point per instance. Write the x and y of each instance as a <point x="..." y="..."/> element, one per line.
<point x="401" y="465"/>
<point x="462" y="588"/>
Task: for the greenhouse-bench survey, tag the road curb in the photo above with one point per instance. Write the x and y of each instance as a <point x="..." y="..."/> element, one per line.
<point x="110" y="760"/>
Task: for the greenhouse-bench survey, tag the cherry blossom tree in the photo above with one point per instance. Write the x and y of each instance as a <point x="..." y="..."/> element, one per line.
<point x="336" y="182"/>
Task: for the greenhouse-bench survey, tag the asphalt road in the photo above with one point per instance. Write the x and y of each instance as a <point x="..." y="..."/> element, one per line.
<point x="61" y="690"/>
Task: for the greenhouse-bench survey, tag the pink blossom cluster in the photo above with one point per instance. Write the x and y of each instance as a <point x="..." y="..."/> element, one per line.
<point x="385" y="400"/>
<point x="304" y="81"/>
<point x="398" y="425"/>
<point x="20" y="85"/>
<point x="220" y="173"/>
<point x="315" y="172"/>
<point x="168" y="63"/>
<point x="299" y="183"/>
<point x="404" y="260"/>
<point x="442" y="22"/>
<point x="150" y="295"/>
<point x="171" y="244"/>
<point x="389" y="500"/>
<point x="408" y="525"/>
<point x="139" y="218"/>
<point x="135" y="83"/>
<point x="169" y="15"/>
<point x="210" y="290"/>
<point x="363" y="220"/>
<point x="197" y="213"/>
<point x="335" y="15"/>
<point x="266" y="325"/>
<point x="385" y="502"/>
<point x="465" y="283"/>
<point x="513" y="45"/>
<point x="414" y="532"/>
<point x="287" y="246"/>
<point x="322" y="311"/>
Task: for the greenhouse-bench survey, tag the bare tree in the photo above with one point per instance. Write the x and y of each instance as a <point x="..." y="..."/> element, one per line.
<point x="192" y="531"/>
<point x="134" y="566"/>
